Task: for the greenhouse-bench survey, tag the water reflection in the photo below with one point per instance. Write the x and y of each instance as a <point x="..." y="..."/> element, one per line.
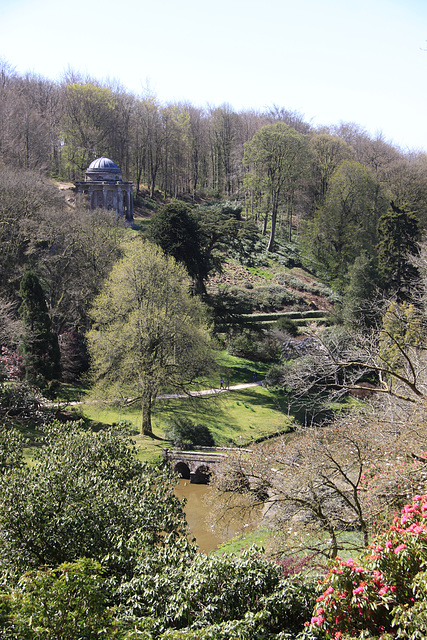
<point x="197" y="511"/>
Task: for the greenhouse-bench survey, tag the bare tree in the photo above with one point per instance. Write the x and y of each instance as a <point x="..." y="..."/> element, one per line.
<point x="322" y="489"/>
<point x="10" y="326"/>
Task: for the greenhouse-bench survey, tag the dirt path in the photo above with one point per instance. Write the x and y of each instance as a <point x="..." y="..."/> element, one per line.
<point x="208" y="392"/>
<point x="170" y="396"/>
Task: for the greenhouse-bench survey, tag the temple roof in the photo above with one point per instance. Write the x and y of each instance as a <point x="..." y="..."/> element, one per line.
<point x="103" y="164"/>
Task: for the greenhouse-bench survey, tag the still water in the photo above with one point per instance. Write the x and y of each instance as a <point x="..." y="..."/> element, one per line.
<point x="197" y="511"/>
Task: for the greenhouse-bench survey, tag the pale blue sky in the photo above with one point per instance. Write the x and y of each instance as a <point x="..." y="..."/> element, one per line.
<point x="356" y="61"/>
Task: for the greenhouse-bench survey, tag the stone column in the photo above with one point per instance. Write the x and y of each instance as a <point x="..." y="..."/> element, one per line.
<point x="120" y="202"/>
<point x="130" y="203"/>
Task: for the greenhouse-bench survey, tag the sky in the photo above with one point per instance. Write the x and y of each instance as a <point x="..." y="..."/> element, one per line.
<point x="332" y="61"/>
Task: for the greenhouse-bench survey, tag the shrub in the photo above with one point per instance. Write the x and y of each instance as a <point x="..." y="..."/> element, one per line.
<point x="219" y="598"/>
<point x="385" y="593"/>
<point x="70" y="601"/>
<point x="288" y="325"/>
<point x="271" y="297"/>
<point x="184" y="434"/>
<point x="254" y="345"/>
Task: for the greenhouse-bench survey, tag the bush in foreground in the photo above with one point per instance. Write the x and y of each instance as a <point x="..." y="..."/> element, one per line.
<point x="384" y="594"/>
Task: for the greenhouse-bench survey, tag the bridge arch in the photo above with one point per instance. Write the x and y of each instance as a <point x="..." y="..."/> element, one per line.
<point x="197" y="465"/>
<point x="201" y="475"/>
<point x="183" y="470"/>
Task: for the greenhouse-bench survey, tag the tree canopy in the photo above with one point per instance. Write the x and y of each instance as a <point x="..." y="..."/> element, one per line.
<point x="84" y="494"/>
<point x="149" y="334"/>
<point x="277" y="157"/>
<point x="177" y="231"/>
<point x="398" y="234"/>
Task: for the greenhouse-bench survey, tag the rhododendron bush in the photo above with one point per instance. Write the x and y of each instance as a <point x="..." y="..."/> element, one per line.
<point x="384" y="594"/>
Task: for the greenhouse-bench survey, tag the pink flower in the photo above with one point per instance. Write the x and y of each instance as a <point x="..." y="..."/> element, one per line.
<point x="409" y="508"/>
<point x="359" y="569"/>
<point x="349" y="563"/>
<point x="358" y="590"/>
<point x="415" y="528"/>
<point x="389" y="544"/>
<point x="383" y="591"/>
<point x="400" y="548"/>
<point x="328" y="591"/>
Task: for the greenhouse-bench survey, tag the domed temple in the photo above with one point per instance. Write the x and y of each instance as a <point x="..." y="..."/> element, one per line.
<point x="104" y="187"/>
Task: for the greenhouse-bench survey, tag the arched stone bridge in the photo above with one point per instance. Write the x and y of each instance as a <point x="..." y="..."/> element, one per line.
<point x="196" y="465"/>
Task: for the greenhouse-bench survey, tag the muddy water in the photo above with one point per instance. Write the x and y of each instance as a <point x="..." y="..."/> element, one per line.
<point x="198" y="511"/>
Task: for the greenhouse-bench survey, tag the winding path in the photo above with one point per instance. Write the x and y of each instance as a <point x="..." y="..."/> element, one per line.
<point x="208" y="392"/>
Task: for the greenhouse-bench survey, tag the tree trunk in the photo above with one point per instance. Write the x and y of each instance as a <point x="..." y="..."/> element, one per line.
<point x="146" y="406"/>
<point x="264" y="228"/>
<point x="273" y="230"/>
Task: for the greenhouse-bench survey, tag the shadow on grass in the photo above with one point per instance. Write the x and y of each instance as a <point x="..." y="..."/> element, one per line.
<point x="153" y="436"/>
<point x="239" y="370"/>
<point x="234" y="418"/>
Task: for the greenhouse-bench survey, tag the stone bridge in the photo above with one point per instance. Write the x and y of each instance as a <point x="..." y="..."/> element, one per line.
<point x="196" y="465"/>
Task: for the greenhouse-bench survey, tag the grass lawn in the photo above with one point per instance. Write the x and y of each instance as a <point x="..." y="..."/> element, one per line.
<point x="236" y="370"/>
<point x="233" y="417"/>
<point x="237" y="544"/>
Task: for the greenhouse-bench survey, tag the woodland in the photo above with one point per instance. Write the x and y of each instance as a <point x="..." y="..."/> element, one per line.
<point x="260" y="244"/>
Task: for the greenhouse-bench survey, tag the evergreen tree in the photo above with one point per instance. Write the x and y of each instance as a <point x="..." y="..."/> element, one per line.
<point x="398" y="232"/>
<point x="39" y="347"/>
<point x="359" y="308"/>
<point x="346" y="224"/>
<point x="178" y="233"/>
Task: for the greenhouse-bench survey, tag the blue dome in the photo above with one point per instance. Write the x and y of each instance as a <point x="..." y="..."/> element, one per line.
<point x="103" y="164"/>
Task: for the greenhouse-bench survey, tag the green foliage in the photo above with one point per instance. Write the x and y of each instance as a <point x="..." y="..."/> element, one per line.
<point x="83" y="493"/>
<point x="178" y="233"/>
<point x="231" y="306"/>
<point x="277" y="157"/>
<point x="39" y="348"/>
<point x="74" y="251"/>
<point x="262" y="273"/>
<point x="224" y="234"/>
<point x="227" y="308"/>
<point x="398" y="232"/>
<point x="22" y="407"/>
<point x="184" y="434"/>
<point x="11" y="449"/>
<point x="403" y="327"/>
<point x="254" y="344"/>
<point x="346" y="223"/>
<point x="70" y="601"/>
<point x="288" y="325"/>
<point x="149" y="335"/>
<point x="359" y="307"/>
<point x="88" y="118"/>
<point x="327" y="154"/>
<point x="217" y="597"/>
<point x="23" y="196"/>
